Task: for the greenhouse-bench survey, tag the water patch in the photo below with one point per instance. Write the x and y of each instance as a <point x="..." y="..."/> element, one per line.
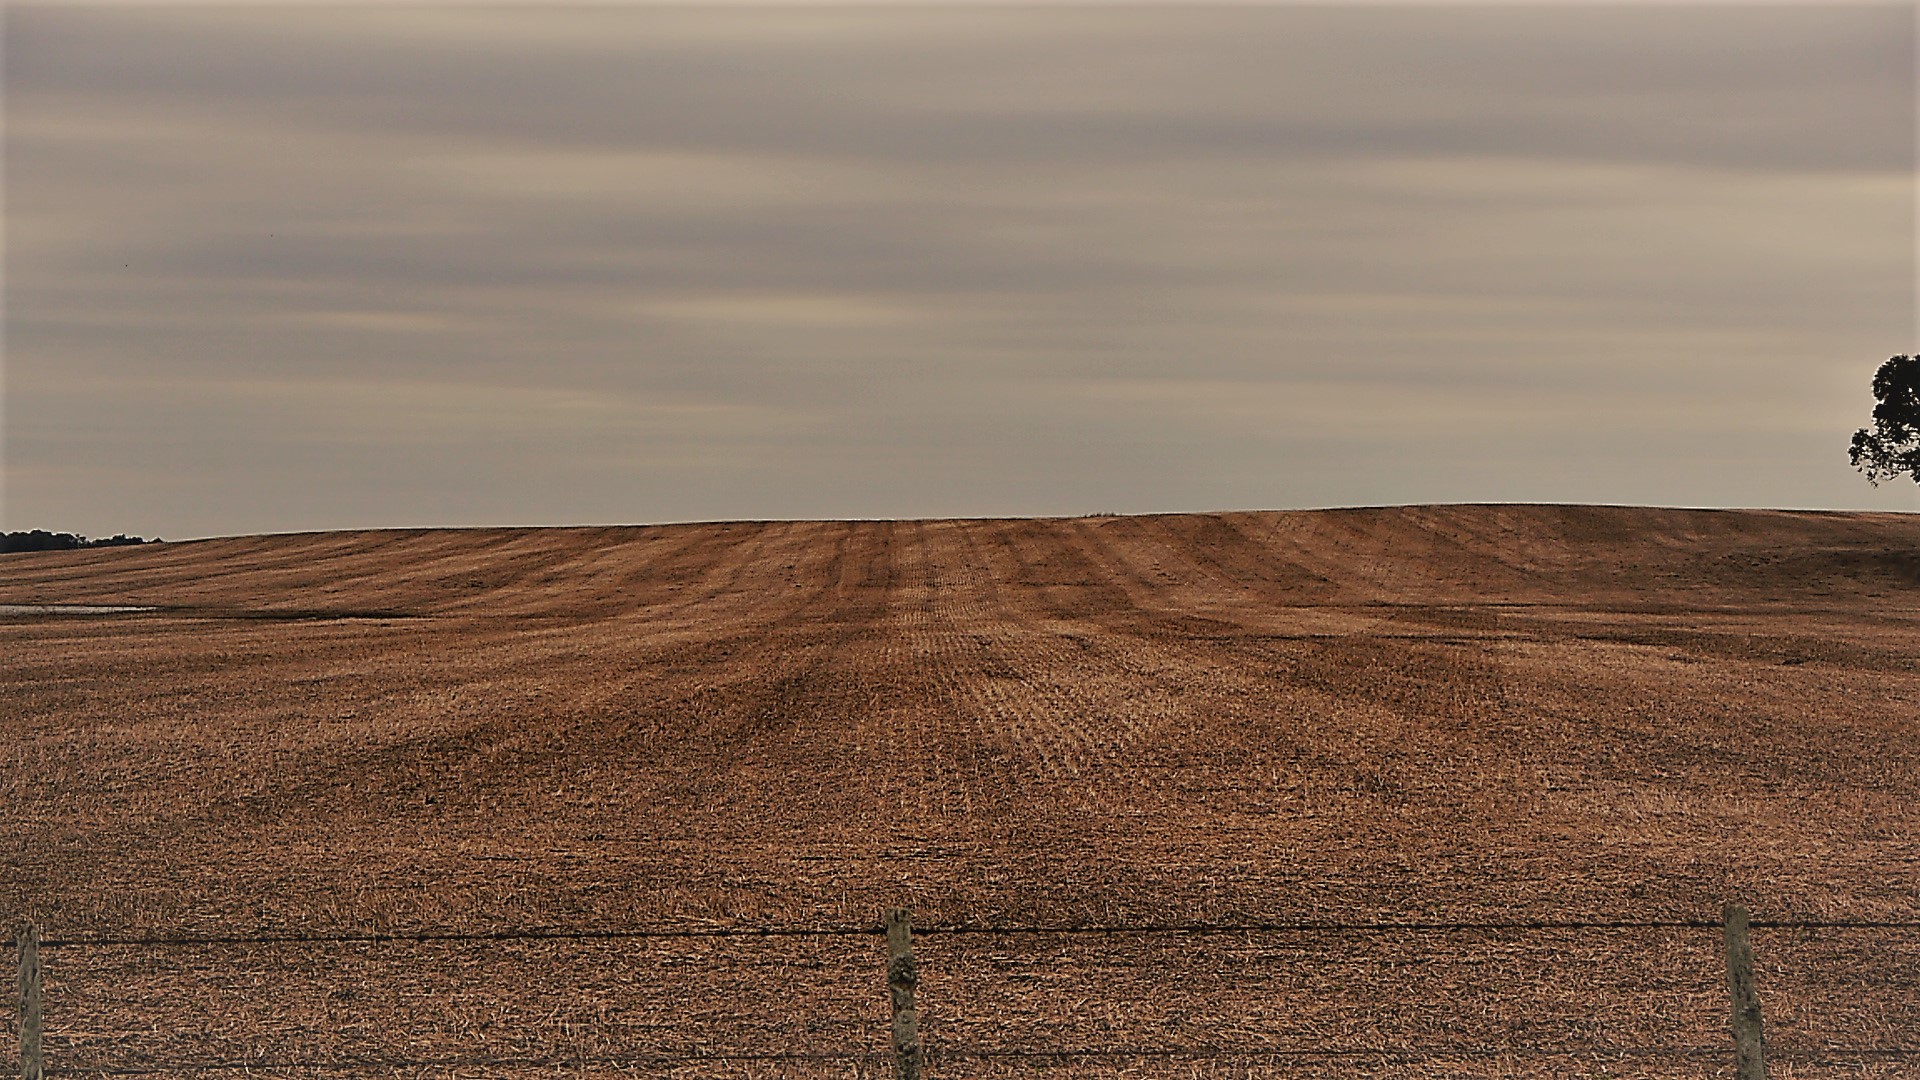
<point x="70" y="609"/>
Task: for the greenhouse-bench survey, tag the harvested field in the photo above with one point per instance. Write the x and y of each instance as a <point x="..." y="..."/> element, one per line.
<point x="1433" y="715"/>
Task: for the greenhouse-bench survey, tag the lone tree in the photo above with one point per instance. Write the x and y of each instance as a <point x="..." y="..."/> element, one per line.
<point x="1891" y="447"/>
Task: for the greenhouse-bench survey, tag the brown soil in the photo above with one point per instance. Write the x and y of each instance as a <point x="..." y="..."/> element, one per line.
<point x="1444" y="714"/>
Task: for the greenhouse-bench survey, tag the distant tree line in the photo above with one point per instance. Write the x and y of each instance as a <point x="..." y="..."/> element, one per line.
<point x="42" y="540"/>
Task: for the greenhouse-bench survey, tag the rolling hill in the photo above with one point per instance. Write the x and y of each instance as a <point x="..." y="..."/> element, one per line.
<point x="1423" y="715"/>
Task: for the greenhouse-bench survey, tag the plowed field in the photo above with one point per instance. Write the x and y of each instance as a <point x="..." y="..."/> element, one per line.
<point x="1428" y="715"/>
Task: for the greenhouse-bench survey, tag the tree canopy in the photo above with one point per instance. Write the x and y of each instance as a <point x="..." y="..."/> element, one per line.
<point x="1891" y="447"/>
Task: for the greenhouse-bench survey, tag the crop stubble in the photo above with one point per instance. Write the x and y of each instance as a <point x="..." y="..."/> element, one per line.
<point x="1441" y="714"/>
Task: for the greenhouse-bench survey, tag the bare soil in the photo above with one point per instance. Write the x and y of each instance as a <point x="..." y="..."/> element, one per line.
<point x="1426" y="714"/>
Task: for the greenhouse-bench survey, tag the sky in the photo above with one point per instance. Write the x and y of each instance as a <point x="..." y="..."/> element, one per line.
<point x="317" y="266"/>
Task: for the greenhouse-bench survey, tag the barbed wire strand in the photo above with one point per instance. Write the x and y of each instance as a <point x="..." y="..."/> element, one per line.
<point x="1395" y="926"/>
<point x="1143" y="929"/>
<point x="1427" y="1054"/>
<point x="936" y="1054"/>
<point x="377" y="937"/>
<point x="351" y="1064"/>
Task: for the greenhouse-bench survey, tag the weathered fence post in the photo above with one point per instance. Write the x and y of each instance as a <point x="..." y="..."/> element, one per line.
<point x="903" y="976"/>
<point x="1749" y="1062"/>
<point x="31" y="1067"/>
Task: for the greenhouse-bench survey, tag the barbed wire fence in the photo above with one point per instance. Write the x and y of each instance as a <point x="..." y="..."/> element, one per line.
<point x="909" y="1057"/>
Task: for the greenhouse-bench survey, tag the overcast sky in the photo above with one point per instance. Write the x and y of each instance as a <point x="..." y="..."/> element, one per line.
<point x="330" y="267"/>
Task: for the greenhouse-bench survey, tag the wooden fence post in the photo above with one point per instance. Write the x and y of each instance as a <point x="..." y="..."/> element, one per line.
<point x="903" y="976"/>
<point x="31" y="1067"/>
<point x="1749" y="1062"/>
